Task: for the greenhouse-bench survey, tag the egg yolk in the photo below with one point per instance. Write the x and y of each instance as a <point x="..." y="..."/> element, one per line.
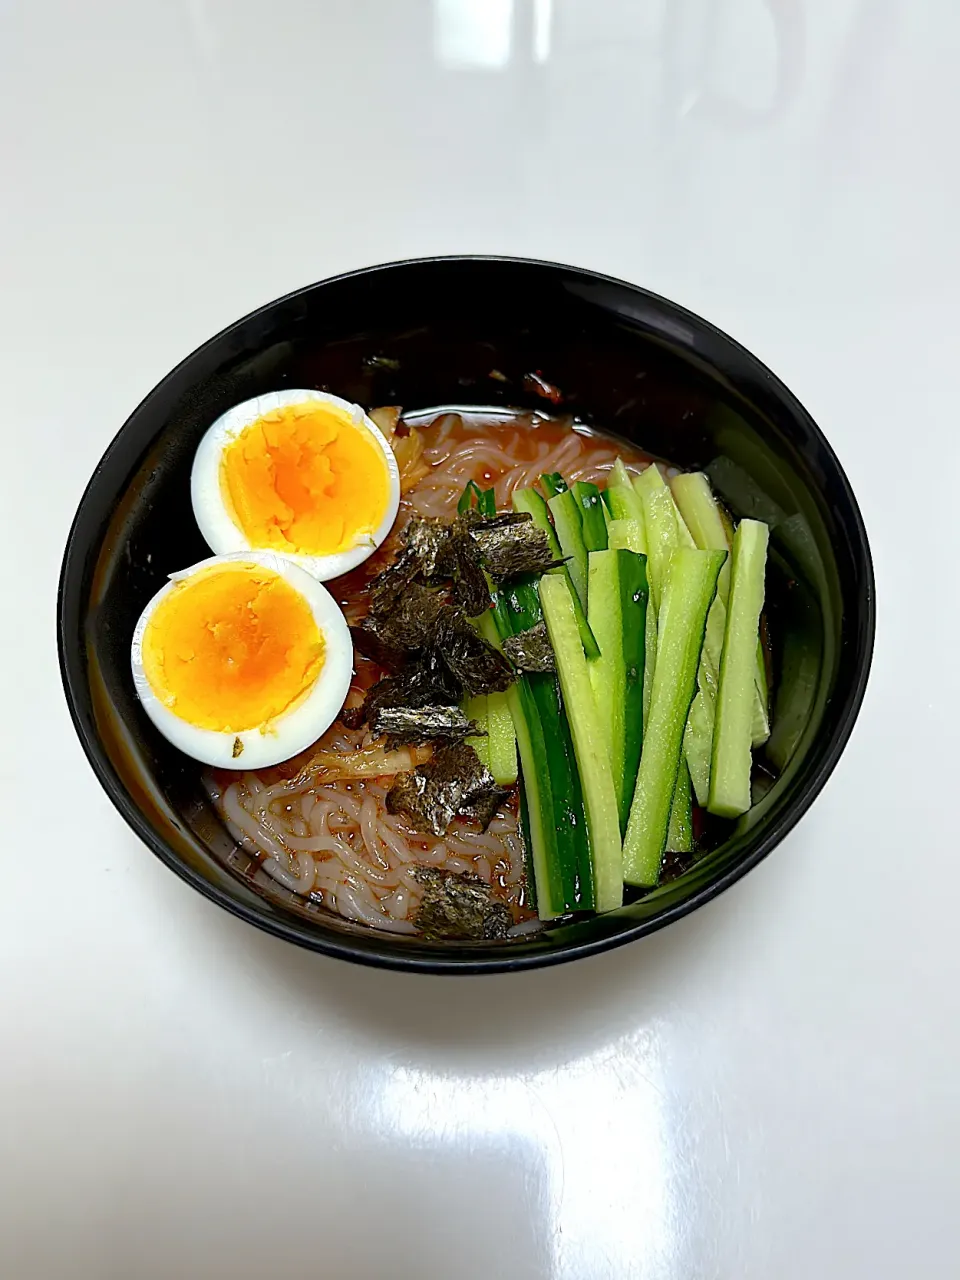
<point x="305" y="478"/>
<point x="232" y="648"/>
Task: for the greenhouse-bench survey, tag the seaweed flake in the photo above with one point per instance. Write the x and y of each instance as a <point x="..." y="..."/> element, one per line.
<point x="479" y="667"/>
<point x="389" y="585"/>
<point x="411" y="622"/>
<point x="425" y="540"/>
<point x="367" y="640"/>
<point x="461" y="561"/>
<point x="531" y="650"/>
<point x="424" y="681"/>
<point x="413" y="726"/>
<point x="459" y="905"/>
<point x="454" y="781"/>
<point x="511" y="544"/>
<point x="427" y="804"/>
<point x="483" y="808"/>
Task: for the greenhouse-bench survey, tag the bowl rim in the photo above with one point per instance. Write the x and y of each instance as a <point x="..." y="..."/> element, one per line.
<point x="379" y="950"/>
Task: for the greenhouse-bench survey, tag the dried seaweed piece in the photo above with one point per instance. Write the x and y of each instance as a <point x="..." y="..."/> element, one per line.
<point x="455" y="781"/>
<point x="479" y="667"/>
<point x="389" y="585"/>
<point x="474" y="518"/>
<point x="423" y="681"/>
<point x="422" y="543"/>
<point x="458" y="905"/>
<point x="531" y="650"/>
<point x="483" y="808"/>
<point x="412" y="622"/>
<point x="514" y="546"/>
<point x="425" y="540"/>
<point x="413" y="726"/>
<point x="428" y="804"/>
<point x="461" y="561"/>
<point x="367" y="640"/>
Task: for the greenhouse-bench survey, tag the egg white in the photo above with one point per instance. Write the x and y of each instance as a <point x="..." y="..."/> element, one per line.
<point x="290" y="733"/>
<point x="217" y="525"/>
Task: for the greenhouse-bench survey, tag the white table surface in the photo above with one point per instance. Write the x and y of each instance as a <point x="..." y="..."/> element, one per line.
<point x="767" y="1090"/>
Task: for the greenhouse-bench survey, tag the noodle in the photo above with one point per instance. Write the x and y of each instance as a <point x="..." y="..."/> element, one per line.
<point x="319" y="822"/>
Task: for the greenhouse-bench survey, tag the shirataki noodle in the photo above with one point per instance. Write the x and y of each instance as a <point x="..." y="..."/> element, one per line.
<point x="319" y="824"/>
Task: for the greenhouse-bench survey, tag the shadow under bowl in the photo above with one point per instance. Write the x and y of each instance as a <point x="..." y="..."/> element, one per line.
<point x="430" y="333"/>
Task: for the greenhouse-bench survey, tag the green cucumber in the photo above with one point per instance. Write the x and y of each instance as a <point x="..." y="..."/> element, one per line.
<point x="680" y="827"/>
<point x="660" y="526"/>
<point x="666" y="530"/>
<point x="698" y="511"/>
<point x="701" y="512"/>
<point x="528" y="500"/>
<point x="706" y="521"/>
<point x="684" y="537"/>
<point x="623" y="499"/>
<point x="566" y="520"/>
<point x="733" y="733"/>
<point x="618" y="609"/>
<point x="593" y="762"/>
<point x="619" y="474"/>
<point x="592" y="523"/>
<point x="544" y="854"/>
<point x="530" y="872"/>
<point x="558" y="827"/>
<point x="475" y="708"/>
<point x="553" y="484"/>
<point x="627" y="535"/>
<point x="682" y="620"/>
<point x="649" y="658"/>
<point x="625" y="505"/>
<point x="501" y="740"/>
<point x="760" y="726"/>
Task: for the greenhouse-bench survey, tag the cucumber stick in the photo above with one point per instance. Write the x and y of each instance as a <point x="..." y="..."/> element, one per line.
<point x="531" y="502"/>
<point x="703" y="515"/>
<point x="544" y="855"/>
<point x="553" y="483"/>
<point x="618" y="607"/>
<point x="592" y="523"/>
<point x="500" y="744"/>
<point x="475" y="709"/>
<point x="681" y="625"/>
<point x="566" y="520"/>
<point x="627" y="535"/>
<point x="561" y="851"/>
<point x="619" y="475"/>
<point x="699" y="509"/>
<point x="660" y="526"/>
<point x="666" y="516"/>
<point x="596" y="775"/>
<point x="733" y="732"/>
<point x="680" y="826"/>
<point x="666" y="530"/>
<point x="501" y="740"/>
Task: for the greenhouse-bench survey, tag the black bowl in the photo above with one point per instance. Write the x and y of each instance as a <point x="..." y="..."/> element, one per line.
<point x="429" y="333"/>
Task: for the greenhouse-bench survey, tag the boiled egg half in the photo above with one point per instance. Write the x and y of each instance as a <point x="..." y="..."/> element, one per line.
<point x="302" y="473"/>
<point x="243" y="660"/>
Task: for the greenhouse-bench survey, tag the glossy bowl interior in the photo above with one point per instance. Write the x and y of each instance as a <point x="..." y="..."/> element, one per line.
<point x="429" y="333"/>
